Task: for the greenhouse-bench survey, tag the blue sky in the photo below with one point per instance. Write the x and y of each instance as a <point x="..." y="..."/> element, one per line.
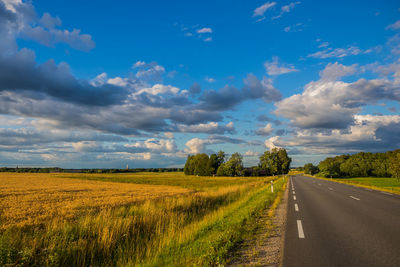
<point x="146" y="83"/>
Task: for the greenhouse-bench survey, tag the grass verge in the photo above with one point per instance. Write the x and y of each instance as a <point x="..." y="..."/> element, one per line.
<point x="390" y="185"/>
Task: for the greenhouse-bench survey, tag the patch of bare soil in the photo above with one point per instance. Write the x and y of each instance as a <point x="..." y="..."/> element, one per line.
<point x="266" y="247"/>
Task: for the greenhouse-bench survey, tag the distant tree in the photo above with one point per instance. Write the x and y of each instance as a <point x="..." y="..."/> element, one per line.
<point x="215" y="161"/>
<point x="309" y="168"/>
<point x="284" y="161"/>
<point x="330" y="167"/>
<point x="189" y="165"/>
<point x="197" y="165"/>
<point x="266" y="163"/>
<point x="201" y="166"/>
<point x="233" y="167"/>
<point x="275" y="161"/>
<point x="221" y="170"/>
<point x="394" y="164"/>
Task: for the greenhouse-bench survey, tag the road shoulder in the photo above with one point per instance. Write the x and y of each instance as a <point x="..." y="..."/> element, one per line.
<point x="266" y="247"/>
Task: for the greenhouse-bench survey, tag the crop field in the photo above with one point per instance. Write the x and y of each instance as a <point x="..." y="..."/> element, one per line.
<point x="145" y="219"/>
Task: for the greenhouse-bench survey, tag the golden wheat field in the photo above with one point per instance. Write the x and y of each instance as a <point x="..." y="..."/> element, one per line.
<point x="29" y="199"/>
<point x="127" y="219"/>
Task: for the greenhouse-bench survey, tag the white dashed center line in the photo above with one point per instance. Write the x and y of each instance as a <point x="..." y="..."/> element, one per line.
<point x="294" y="197"/>
<point x="354" y="198"/>
<point x="330" y="188"/>
<point x="300" y="229"/>
<point x="296" y="208"/>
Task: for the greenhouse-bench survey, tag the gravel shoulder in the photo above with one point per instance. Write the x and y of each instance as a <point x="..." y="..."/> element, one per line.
<point x="266" y="247"/>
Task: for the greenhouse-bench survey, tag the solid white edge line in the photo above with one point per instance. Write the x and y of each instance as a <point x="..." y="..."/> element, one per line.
<point x="354" y="198"/>
<point x="296" y="207"/>
<point x="300" y="229"/>
<point x="294" y="197"/>
<point x="386" y="193"/>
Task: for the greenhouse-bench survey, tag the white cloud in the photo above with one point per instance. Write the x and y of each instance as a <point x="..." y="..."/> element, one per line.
<point x="337" y="52"/>
<point x="298" y="27"/>
<point x="274" y="68"/>
<point x="169" y="135"/>
<point x="196" y="145"/>
<point x="266" y="130"/>
<point x="394" y="26"/>
<point x="208" y="39"/>
<point x="211" y="128"/>
<point x="334" y="71"/>
<point x="324" y="44"/>
<point x="289" y="7"/>
<point x="331" y="104"/>
<point x="250" y="153"/>
<point x="368" y="133"/>
<point x="270" y="142"/>
<point x="286" y="9"/>
<point x="259" y="11"/>
<point x="209" y="79"/>
<point x="204" y="30"/>
<point x="159" y="89"/>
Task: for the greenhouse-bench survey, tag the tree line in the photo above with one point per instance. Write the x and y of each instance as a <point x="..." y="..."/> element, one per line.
<point x="363" y="164"/>
<point x="56" y="169"/>
<point x="271" y="162"/>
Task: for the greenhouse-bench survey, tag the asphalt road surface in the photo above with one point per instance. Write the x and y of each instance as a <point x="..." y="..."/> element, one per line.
<point x="332" y="224"/>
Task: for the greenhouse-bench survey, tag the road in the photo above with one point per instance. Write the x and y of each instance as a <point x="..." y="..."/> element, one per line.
<point x="332" y="224"/>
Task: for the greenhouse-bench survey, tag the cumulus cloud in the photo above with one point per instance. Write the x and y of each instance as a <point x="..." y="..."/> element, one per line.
<point x="266" y="130"/>
<point x="368" y="133"/>
<point x="148" y="71"/>
<point x="210" y="128"/>
<point x="334" y="71"/>
<point x="254" y="88"/>
<point x="330" y="104"/>
<point x="197" y="145"/>
<point x="229" y="96"/>
<point x="195" y="89"/>
<point x="270" y="142"/>
<point x="274" y="68"/>
<point x="21" y="20"/>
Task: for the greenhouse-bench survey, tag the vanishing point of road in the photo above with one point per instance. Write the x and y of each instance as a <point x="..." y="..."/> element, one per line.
<point x="333" y="224"/>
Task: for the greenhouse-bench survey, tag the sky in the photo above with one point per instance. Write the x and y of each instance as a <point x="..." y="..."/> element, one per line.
<point x="103" y="84"/>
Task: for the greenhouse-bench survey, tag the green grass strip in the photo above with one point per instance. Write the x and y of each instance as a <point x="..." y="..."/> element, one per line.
<point x="211" y="245"/>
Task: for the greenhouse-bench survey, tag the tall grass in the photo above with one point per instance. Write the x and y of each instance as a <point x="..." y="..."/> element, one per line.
<point x="192" y="229"/>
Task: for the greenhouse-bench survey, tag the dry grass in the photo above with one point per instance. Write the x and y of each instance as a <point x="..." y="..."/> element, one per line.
<point x="31" y="199"/>
<point x="119" y="220"/>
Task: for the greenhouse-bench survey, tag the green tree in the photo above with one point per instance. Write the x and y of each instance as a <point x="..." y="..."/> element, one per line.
<point x="233" y="167"/>
<point x="310" y="168"/>
<point x="215" y="161"/>
<point x="201" y="166"/>
<point x="221" y="170"/>
<point x="189" y="166"/>
<point x="275" y="161"/>
<point x="394" y="164"/>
